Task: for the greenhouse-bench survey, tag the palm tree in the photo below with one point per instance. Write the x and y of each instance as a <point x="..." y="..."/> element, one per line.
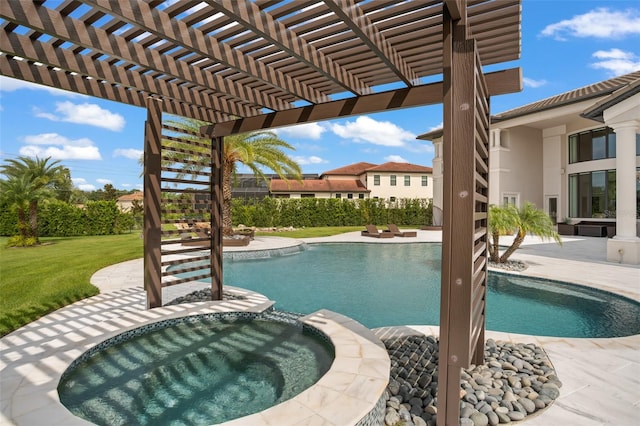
<point x="255" y="150"/>
<point x="526" y="220"/>
<point x="36" y="177"/>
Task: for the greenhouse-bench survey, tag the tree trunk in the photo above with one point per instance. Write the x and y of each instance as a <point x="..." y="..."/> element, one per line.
<point x="23" y="226"/>
<point x="494" y="247"/>
<point x="516" y="244"/>
<point x="227" y="223"/>
<point x="33" y="219"/>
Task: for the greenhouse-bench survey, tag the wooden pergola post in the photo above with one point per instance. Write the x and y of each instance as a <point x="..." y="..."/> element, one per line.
<point x="217" y="152"/>
<point x="465" y="197"/>
<point x="152" y="204"/>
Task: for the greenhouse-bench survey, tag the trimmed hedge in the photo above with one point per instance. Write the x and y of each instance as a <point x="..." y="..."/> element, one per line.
<point x="59" y="219"/>
<point x="313" y="212"/>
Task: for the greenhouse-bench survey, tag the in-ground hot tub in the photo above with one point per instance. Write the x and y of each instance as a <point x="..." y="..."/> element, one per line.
<point x="202" y="369"/>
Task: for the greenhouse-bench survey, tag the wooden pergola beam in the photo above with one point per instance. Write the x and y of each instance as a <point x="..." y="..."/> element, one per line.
<point x="177" y="32"/>
<point x="499" y="82"/>
<point x="65" y="59"/>
<point x="52" y="22"/>
<point x="360" y="24"/>
<point x="261" y="23"/>
<point x="27" y="71"/>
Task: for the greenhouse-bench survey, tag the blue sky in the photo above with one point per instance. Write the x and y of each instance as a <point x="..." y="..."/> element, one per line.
<point x="566" y="44"/>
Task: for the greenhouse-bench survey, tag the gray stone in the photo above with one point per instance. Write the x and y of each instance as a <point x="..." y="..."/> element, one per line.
<point x="503" y="418"/>
<point x="391" y="418"/>
<point x="404" y="414"/>
<point x="394" y="387"/>
<point x="479" y="419"/>
<point x="493" y="418"/>
<point x="528" y="404"/>
<point x="467" y="411"/>
<point x="480" y="395"/>
<point x="516" y="415"/>
<point x="418" y="421"/>
<point x="466" y="422"/>
<point x="539" y="403"/>
<point x="502" y="410"/>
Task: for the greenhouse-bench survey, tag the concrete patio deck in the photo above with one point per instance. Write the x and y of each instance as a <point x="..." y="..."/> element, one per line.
<point x="601" y="377"/>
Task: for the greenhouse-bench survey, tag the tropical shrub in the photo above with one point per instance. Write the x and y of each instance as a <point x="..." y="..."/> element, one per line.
<point x="509" y="220"/>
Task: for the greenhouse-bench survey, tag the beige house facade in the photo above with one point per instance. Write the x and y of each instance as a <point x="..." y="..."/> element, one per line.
<point x="389" y="181"/>
<point x="575" y="155"/>
<point x="125" y="202"/>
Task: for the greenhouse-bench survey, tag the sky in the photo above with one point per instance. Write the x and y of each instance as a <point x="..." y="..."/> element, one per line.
<point x="566" y="44"/>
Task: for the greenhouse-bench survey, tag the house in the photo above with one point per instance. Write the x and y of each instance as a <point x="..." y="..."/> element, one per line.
<point x="575" y="155"/>
<point x="125" y="202"/>
<point x="390" y="181"/>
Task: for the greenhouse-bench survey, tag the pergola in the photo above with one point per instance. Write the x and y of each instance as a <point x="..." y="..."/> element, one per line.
<point x="249" y="65"/>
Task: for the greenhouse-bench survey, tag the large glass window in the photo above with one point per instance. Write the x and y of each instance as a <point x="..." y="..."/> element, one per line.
<point x="592" y="145"/>
<point x="593" y="194"/>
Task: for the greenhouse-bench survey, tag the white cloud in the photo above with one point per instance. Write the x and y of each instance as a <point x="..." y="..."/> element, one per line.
<point x="131" y="153"/>
<point x="529" y="82"/>
<point x="126" y="185"/>
<point x="616" y="61"/>
<point x="303" y="131"/>
<point x="309" y="160"/>
<point x="8" y="84"/>
<point x="59" y="147"/>
<point x="366" y="129"/>
<point x="104" y="181"/>
<point x="395" y="159"/>
<point x="598" y="23"/>
<point x="82" y="184"/>
<point x="90" y="114"/>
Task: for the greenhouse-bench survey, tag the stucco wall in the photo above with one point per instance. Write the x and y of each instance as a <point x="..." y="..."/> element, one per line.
<point x="386" y="191"/>
<point x="521" y="168"/>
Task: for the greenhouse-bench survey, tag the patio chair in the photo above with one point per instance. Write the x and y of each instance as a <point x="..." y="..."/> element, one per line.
<point x="372" y="231"/>
<point x="393" y="229"/>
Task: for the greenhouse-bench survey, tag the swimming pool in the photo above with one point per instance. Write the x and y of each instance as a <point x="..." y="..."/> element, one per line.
<point x="382" y="285"/>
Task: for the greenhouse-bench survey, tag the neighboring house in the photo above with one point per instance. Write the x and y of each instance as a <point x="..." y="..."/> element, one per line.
<point x="125" y="202"/>
<point x="390" y="181"/>
<point x="249" y="186"/>
<point x="575" y="155"/>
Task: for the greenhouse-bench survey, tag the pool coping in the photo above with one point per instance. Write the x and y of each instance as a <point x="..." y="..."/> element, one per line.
<point x="35" y="357"/>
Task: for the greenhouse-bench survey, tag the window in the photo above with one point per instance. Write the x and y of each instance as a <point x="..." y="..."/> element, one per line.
<point x="510" y="199"/>
<point x="392" y="199"/>
<point x="350" y="196"/>
<point x="307" y="195"/>
<point x="592" y="145"/>
<point x="392" y="180"/>
<point x="425" y="180"/>
<point x="376" y="180"/>
<point x="592" y="194"/>
<point x="361" y="196"/>
<point x="407" y="180"/>
<point x="338" y="195"/>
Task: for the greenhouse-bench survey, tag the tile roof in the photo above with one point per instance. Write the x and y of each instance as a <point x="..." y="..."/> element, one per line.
<point x="138" y="195"/>
<point x="595" y="90"/>
<point x="352" y="169"/>
<point x="400" y="167"/>
<point x="317" y="185"/>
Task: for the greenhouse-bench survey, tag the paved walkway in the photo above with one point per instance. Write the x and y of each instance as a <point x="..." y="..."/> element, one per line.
<point x="601" y="377"/>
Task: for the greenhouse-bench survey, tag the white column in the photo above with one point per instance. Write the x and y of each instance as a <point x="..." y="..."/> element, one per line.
<point x="625" y="246"/>
<point x="626" y="179"/>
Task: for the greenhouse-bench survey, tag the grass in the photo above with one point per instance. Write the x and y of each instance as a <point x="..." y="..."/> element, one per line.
<point x="325" y="231"/>
<point x="37" y="280"/>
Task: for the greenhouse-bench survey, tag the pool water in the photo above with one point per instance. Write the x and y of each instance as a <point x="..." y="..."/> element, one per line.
<point x="382" y="285"/>
<point x="195" y="371"/>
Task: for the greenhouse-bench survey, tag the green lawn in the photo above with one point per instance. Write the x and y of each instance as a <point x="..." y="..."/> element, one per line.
<point x="37" y="280"/>
<point x="325" y="231"/>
